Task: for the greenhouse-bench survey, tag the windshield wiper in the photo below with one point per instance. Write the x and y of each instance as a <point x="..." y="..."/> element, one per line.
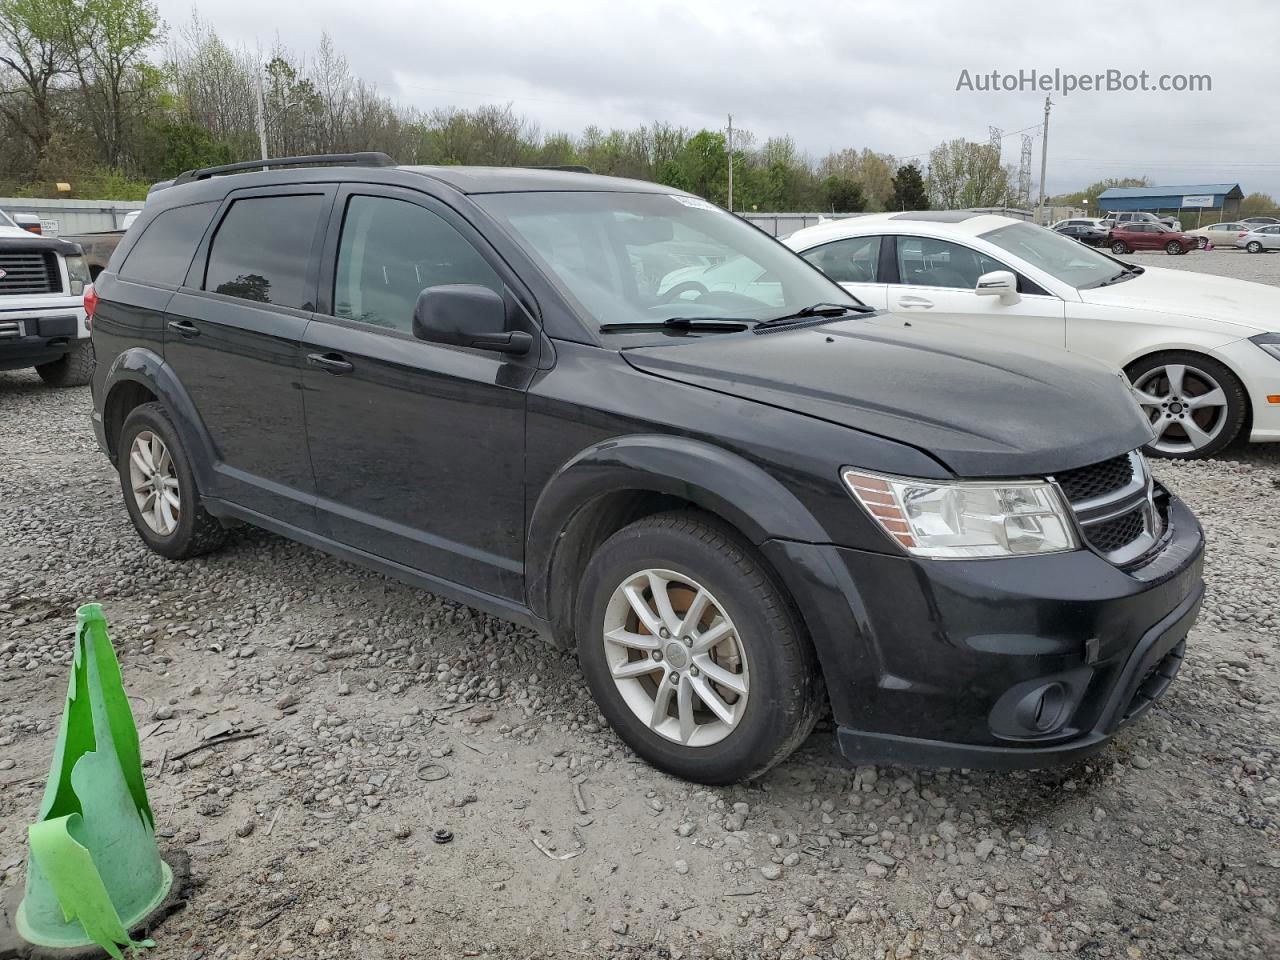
<point x="718" y="324"/>
<point x="1128" y="273"/>
<point x="815" y="311"/>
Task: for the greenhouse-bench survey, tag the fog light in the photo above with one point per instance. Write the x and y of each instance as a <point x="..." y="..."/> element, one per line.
<point x="1041" y="709"/>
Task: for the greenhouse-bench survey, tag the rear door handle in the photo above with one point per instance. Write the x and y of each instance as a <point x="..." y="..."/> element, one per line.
<point x="915" y="302"/>
<point x="331" y="363"/>
<point x="184" y="327"/>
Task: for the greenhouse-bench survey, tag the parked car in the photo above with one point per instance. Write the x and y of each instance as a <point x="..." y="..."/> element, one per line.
<point x="1260" y="220"/>
<point x="730" y="503"/>
<point x="1261" y="239"/>
<point x="42" y="319"/>
<point x="1218" y="234"/>
<point x="1136" y="216"/>
<point x="1129" y="237"/>
<point x="1084" y="231"/>
<point x="1182" y="338"/>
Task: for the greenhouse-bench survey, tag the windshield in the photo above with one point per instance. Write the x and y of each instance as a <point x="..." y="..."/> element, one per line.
<point x="642" y="258"/>
<point x="1060" y="257"/>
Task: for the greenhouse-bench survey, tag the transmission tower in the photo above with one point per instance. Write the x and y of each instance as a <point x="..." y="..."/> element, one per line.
<point x="995" y="137"/>
<point x="1024" y="172"/>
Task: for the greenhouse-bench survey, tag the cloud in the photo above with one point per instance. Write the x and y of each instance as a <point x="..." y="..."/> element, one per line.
<point x="831" y="74"/>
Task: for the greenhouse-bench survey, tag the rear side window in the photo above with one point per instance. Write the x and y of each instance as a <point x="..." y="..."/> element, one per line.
<point x="392" y="250"/>
<point x="164" y="251"/>
<point x="852" y="260"/>
<point x="262" y="247"/>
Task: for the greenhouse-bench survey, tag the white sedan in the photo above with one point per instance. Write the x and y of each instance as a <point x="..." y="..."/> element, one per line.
<point x="1202" y="352"/>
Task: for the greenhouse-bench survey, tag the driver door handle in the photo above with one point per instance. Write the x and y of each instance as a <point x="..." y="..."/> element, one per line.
<point x="910" y="302"/>
<point x="331" y="363"/>
<point x="184" y="327"/>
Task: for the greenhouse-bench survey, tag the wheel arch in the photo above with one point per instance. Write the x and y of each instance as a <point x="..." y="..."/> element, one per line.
<point x="140" y="375"/>
<point x="614" y="483"/>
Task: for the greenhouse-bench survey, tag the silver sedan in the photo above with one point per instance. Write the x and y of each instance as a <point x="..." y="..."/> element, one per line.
<point x="1261" y="239"/>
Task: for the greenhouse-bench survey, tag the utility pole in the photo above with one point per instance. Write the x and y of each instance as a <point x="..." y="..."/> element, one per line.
<point x="1044" y="159"/>
<point x="731" y="163"/>
<point x="262" y="120"/>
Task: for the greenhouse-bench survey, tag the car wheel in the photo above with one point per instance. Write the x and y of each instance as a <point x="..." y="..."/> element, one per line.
<point x="73" y="369"/>
<point x="159" y="488"/>
<point x="1253" y="246"/>
<point x="1196" y="405"/>
<point x="1202" y="242"/>
<point x="1173" y="248"/>
<point x="1119" y="247"/>
<point x="693" y="652"/>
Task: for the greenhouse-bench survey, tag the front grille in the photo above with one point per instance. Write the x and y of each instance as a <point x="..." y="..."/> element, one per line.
<point x="1097" y="480"/>
<point x="28" y="273"/>
<point x="1115" y="534"/>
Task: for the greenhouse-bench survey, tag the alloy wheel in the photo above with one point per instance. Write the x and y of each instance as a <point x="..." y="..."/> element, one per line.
<point x="1172" y="247"/>
<point x="1187" y="407"/>
<point x="676" y="657"/>
<point x="153" y="478"/>
<point x="1254" y="247"/>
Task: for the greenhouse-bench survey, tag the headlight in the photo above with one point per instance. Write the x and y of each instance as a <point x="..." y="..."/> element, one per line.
<point x="1269" y="342"/>
<point x="966" y="519"/>
<point x="77" y="273"/>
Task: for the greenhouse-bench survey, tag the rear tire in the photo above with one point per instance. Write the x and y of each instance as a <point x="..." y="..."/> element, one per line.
<point x="763" y="650"/>
<point x="1119" y="247"/>
<point x="1253" y="246"/>
<point x="152" y="459"/>
<point x="72" y="369"/>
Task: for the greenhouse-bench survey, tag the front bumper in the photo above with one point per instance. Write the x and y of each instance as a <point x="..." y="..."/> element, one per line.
<point x="1259" y="371"/>
<point x="946" y="663"/>
<point x="30" y="336"/>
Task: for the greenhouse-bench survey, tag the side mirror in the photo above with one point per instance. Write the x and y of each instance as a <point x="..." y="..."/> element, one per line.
<point x="998" y="283"/>
<point x="467" y="315"/>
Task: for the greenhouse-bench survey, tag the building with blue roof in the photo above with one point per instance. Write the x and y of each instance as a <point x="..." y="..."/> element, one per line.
<point x="1175" y="201"/>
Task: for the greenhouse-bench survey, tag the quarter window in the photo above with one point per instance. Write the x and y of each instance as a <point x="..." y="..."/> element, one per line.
<point x="924" y="262"/>
<point x="852" y="260"/>
<point x="164" y="251"/>
<point x="262" y="247"/>
<point x="390" y="251"/>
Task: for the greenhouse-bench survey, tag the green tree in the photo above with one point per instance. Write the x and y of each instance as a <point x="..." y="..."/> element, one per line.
<point x="35" y="52"/>
<point x="965" y="174"/>
<point x="843" y="194"/>
<point x="1259" y="205"/>
<point x="909" y="191"/>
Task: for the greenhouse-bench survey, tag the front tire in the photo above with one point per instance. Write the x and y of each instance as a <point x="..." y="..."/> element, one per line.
<point x="1173" y="248"/>
<point x="1119" y="247"/>
<point x="159" y="488"/>
<point x="1196" y="405"/>
<point x="693" y="652"/>
<point x="73" y="369"/>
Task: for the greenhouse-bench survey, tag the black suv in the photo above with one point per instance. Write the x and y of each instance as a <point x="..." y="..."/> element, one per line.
<point x="617" y="414"/>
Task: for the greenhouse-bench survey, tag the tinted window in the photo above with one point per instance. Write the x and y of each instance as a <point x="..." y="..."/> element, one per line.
<point x="852" y="260"/>
<point x="939" y="263"/>
<point x="261" y="249"/>
<point x="392" y="250"/>
<point x="164" y="251"/>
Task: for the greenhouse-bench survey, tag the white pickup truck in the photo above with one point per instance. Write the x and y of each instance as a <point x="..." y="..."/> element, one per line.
<point x="42" y="321"/>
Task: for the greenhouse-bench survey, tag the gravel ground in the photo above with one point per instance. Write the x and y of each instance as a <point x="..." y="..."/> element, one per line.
<point x="1224" y="261"/>
<point x="313" y="836"/>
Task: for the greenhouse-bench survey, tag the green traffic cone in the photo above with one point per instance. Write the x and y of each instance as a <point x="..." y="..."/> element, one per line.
<point x="94" y="870"/>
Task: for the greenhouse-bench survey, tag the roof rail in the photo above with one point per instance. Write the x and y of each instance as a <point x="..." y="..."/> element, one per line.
<point x="368" y="159"/>
<point x="562" y="167"/>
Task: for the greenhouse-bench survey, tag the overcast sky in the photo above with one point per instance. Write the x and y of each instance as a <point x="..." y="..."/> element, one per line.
<point x="832" y="74"/>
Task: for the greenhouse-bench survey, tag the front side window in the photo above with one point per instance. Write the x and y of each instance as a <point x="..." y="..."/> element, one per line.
<point x="925" y="262"/>
<point x="851" y="260"/>
<point x="390" y="251"/>
<point x="1060" y="257"/>
<point x="644" y="258"/>
<point x="262" y="247"/>
<point x="164" y="251"/>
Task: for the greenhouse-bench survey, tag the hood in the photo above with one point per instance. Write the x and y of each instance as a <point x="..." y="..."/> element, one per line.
<point x="1252" y="307"/>
<point x="981" y="406"/>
